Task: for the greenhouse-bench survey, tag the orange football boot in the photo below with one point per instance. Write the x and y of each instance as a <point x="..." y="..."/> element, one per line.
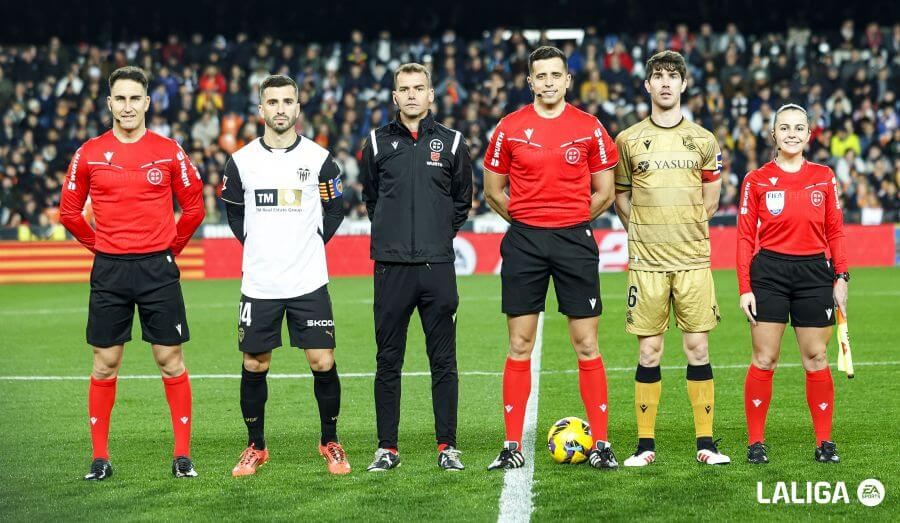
<point x="334" y="455"/>
<point x="251" y="459"/>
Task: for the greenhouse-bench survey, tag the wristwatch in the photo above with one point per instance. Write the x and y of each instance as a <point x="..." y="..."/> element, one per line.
<point x="844" y="275"/>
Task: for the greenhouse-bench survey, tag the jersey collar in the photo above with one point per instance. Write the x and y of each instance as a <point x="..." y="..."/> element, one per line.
<point x="289" y="149"/>
<point x="654" y="124"/>
<point x="424" y="126"/>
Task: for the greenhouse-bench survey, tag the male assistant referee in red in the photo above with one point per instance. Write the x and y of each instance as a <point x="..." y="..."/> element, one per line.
<point x="130" y="174"/>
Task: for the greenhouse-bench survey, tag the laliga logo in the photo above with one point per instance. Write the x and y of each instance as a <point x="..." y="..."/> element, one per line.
<point x="870" y="493"/>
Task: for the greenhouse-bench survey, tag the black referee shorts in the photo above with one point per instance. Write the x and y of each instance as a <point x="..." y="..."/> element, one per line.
<point x="799" y="287"/>
<point x="532" y="255"/>
<point x="150" y="281"/>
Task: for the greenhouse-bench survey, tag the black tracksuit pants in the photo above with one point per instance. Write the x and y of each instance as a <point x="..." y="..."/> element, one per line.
<point x="399" y="288"/>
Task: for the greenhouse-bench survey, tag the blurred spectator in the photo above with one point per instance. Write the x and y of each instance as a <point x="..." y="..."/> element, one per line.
<point x="204" y="94"/>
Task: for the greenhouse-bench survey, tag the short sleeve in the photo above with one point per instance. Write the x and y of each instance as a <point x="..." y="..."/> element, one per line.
<point x="623" y="168"/>
<point x="712" y="162"/>
<point x="602" y="153"/>
<point x="497" y="157"/>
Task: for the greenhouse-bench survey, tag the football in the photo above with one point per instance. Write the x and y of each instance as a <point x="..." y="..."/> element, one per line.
<point x="569" y="440"/>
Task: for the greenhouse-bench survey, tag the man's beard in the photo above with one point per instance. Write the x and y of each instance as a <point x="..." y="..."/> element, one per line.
<point x="281" y="128"/>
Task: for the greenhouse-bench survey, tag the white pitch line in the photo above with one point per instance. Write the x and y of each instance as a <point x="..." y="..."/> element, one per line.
<point x="414" y="374"/>
<point x="516" y="499"/>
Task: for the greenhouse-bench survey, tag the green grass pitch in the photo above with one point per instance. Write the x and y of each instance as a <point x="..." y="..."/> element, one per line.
<point x="46" y="447"/>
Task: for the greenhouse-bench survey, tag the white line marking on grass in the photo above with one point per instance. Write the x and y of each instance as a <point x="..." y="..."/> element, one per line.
<point x="414" y="374"/>
<point x="516" y="503"/>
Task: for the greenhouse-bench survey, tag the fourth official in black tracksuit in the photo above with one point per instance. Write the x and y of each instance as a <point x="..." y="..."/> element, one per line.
<point x="418" y="192"/>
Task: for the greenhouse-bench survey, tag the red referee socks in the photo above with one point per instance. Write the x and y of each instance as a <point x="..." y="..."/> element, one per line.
<point x="820" y="398"/>
<point x="516" y="389"/>
<point x="178" y="394"/>
<point x="592" y="382"/>
<point x="101" y="398"/>
<point x="757" y="397"/>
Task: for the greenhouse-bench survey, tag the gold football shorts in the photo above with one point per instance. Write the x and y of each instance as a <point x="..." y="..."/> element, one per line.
<point x="651" y="296"/>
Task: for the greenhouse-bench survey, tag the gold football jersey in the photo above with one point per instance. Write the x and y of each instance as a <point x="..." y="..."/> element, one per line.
<point x="664" y="170"/>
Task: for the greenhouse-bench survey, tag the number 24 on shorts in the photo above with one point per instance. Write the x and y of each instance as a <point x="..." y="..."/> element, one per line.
<point x="244" y="313"/>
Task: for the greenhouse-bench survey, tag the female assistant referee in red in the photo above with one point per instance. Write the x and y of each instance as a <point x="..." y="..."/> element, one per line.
<point x="793" y="204"/>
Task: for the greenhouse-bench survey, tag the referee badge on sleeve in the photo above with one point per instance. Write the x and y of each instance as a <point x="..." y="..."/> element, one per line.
<point x="775" y="202"/>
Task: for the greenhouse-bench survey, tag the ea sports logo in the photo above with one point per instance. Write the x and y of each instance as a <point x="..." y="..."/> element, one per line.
<point x="154" y="176"/>
<point x="817" y="197"/>
<point x="870" y="492"/>
<point x="573" y="155"/>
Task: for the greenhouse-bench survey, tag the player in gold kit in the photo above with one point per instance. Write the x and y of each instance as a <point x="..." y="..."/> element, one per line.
<point x="667" y="187"/>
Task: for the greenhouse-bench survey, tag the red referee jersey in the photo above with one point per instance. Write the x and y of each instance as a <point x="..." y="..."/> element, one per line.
<point x="796" y="213"/>
<point x="549" y="162"/>
<point x="131" y="187"/>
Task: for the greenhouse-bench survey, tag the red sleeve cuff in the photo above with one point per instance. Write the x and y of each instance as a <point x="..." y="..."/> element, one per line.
<point x="711" y="176"/>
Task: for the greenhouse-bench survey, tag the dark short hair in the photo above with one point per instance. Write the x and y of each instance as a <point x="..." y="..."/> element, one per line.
<point x="668" y="61"/>
<point x="411" y="68"/>
<point x="277" y="80"/>
<point x="129" y="72"/>
<point x="546" y="52"/>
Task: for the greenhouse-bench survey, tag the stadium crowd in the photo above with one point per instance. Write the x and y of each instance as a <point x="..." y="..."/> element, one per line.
<point x="203" y="91"/>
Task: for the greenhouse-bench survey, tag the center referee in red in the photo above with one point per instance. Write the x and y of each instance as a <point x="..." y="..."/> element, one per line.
<point x="558" y="164"/>
<point x="131" y="174"/>
<point x="417" y="184"/>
